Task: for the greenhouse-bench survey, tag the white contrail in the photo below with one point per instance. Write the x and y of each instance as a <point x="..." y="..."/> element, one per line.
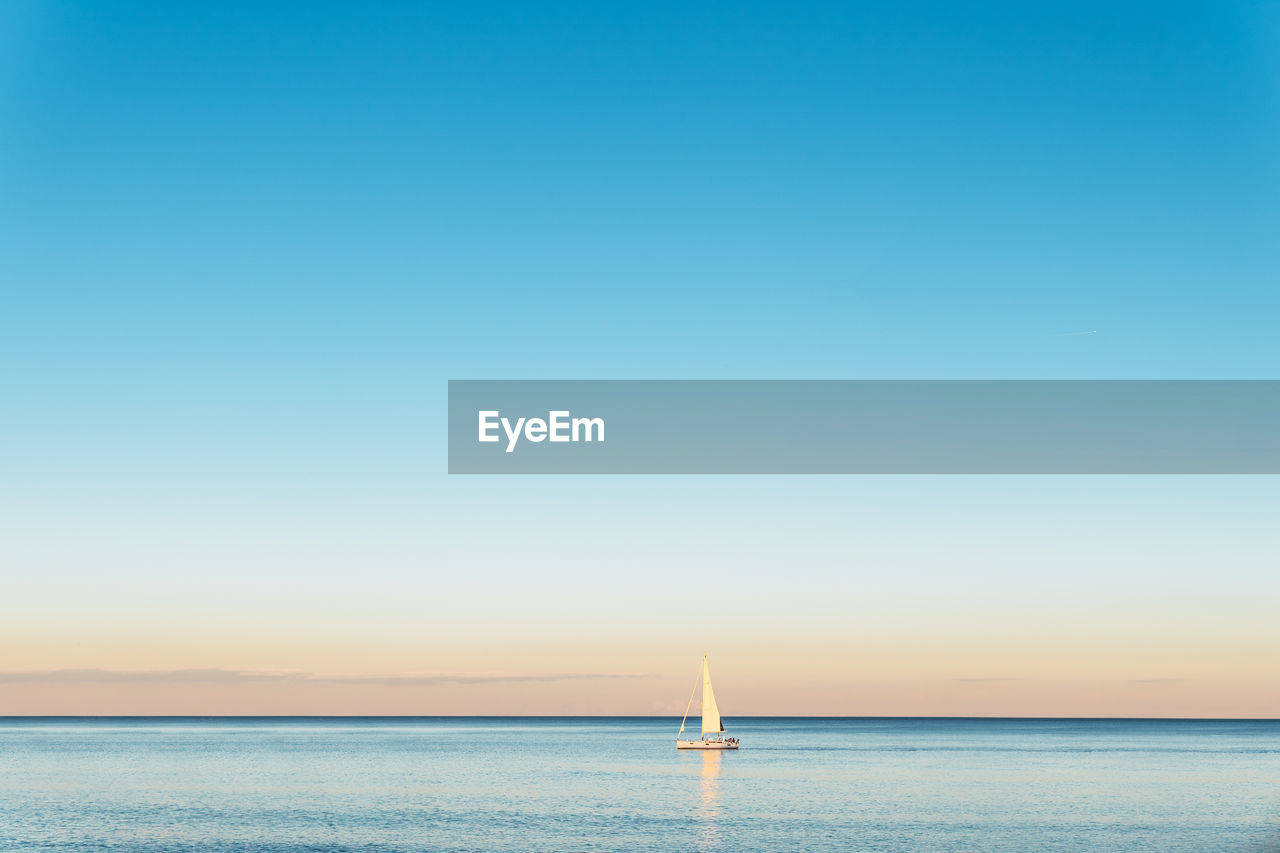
<point x="1075" y="334"/>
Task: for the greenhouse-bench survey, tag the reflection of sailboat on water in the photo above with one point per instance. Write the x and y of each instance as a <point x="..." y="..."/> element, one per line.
<point x="709" y="801"/>
<point x="711" y="722"/>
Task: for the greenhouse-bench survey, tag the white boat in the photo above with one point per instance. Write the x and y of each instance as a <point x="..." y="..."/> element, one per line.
<point x="711" y="722"/>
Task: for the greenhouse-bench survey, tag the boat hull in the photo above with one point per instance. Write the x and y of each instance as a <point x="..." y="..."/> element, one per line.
<point x="705" y="744"/>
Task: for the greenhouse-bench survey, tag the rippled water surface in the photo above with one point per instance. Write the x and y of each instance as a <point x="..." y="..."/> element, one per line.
<point x="540" y="784"/>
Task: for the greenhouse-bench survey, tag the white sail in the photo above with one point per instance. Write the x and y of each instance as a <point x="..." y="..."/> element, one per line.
<point x="710" y="713"/>
<point x="711" y="722"/>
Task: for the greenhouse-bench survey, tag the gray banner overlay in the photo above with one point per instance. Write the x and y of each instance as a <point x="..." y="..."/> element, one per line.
<point x="865" y="427"/>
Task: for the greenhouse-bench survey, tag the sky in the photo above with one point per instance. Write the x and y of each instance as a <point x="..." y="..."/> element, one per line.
<point x="243" y="247"/>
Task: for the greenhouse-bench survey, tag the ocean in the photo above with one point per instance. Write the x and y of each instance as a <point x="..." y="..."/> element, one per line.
<point x="604" y="784"/>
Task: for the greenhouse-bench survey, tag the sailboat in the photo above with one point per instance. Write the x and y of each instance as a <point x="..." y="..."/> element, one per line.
<point x="712" y="725"/>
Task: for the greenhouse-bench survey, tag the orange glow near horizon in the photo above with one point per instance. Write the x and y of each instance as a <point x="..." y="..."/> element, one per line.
<point x="855" y="676"/>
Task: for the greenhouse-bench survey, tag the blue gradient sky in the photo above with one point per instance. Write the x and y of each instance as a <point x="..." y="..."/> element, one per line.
<point x="242" y="250"/>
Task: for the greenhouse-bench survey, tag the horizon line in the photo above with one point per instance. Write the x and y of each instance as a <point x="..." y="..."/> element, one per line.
<point x="8" y="717"/>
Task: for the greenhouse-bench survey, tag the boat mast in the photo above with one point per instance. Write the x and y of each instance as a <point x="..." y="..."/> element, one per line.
<point x="689" y="704"/>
